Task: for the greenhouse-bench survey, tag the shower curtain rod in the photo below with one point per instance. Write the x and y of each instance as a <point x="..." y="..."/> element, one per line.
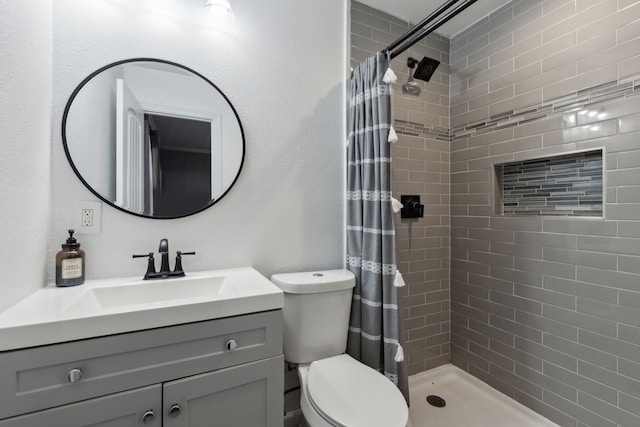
<point x="429" y="29"/>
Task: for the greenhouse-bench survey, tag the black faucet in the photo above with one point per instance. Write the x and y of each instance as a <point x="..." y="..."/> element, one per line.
<point x="165" y="272"/>
<point x="163" y="249"/>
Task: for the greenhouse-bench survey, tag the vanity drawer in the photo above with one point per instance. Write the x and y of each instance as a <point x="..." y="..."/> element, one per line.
<point x="43" y="377"/>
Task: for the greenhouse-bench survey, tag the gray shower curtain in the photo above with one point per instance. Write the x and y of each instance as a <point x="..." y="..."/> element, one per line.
<point x="374" y="325"/>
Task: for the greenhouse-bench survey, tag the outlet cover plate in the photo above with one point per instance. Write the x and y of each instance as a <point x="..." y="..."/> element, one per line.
<point x="76" y="213"/>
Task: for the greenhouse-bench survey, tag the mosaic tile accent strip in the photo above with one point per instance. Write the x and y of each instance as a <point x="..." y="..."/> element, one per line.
<point x="404" y="127"/>
<point x="568" y="185"/>
<point x="572" y="102"/>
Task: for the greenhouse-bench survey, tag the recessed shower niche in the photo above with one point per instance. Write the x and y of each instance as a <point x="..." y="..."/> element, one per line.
<point x="561" y="185"/>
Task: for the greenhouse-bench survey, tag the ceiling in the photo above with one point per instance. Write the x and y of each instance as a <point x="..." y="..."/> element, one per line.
<point x="415" y="11"/>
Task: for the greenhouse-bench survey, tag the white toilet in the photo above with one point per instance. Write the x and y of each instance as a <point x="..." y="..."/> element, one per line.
<point x="336" y="390"/>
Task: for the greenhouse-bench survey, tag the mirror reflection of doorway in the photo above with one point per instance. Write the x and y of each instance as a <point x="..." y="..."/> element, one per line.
<point x="103" y="131"/>
<point x="179" y="164"/>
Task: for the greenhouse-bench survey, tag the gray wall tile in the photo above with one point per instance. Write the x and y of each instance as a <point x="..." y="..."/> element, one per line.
<point x="519" y="276"/>
<point x="597" y="357"/>
<point x="617" y="279"/>
<point x="516" y="381"/>
<point x="568" y="271"/>
<point x="516" y="328"/>
<point x="550" y="356"/>
<point x="612" y="380"/>
<point x="545" y="296"/>
<point x="584" y="321"/>
<point x="525" y="251"/>
<point x="550" y="240"/>
<point x="617" y="313"/>
<point x="588" y="227"/>
<point x="581" y="382"/>
<point x="616" y="245"/>
<point x="492" y="380"/>
<point x="578" y="412"/>
<point x="547" y="410"/>
<point x="581" y="289"/>
<point x="574" y="257"/>
<point x="483" y="304"/>
<point x="608" y="411"/>
<point x="490" y="283"/>
<point x="609" y="344"/>
<point x="546" y="382"/>
<point x="559" y="328"/>
<point x="630" y="404"/>
<point x="519" y="303"/>
<point x="629" y="334"/>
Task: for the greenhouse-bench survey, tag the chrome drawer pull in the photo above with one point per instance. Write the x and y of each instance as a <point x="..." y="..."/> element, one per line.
<point x="175" y="410"/>
<point x="149" y="417"/>
<point x="74" y="375"/>
<point x="232" y="344"/>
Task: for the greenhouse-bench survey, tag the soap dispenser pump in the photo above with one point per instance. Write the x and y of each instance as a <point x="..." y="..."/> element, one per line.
<point x="70" y="263"/>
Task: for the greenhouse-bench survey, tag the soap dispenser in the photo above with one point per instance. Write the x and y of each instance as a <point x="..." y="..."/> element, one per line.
<point x="70" y="263"/>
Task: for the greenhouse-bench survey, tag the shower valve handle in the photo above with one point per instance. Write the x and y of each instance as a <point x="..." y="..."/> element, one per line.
<point x="411" y="207"/>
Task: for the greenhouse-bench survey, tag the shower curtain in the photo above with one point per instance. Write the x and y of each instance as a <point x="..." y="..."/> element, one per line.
<point x="374" y="327"/>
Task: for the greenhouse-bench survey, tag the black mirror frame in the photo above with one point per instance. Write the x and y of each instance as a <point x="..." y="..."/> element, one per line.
<point x="109" y="202"/>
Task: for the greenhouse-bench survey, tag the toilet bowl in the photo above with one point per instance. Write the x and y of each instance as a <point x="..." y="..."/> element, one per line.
<point x="336" y="390"/>
<point x="340" y="391"/>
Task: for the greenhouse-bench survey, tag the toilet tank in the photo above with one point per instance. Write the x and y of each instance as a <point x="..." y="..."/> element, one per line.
<point x="316" y="312"/>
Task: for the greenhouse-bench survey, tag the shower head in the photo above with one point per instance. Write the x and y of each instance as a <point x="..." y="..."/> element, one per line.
<point x="426" y="68"/>
<point x="411" y="87"/>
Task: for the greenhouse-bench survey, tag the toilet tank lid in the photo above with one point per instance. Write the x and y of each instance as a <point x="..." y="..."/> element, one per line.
<point x="312" y="282"/>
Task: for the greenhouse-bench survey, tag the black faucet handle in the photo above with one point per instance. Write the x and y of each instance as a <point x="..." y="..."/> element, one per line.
<point x="151" y="265"/>
<point x="149" y="255"/>
<point x="178" y="266"/>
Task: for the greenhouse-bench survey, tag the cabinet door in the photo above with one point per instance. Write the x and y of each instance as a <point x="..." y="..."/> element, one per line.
<point x="127" y="409"/>
<point x="248" y="395"/>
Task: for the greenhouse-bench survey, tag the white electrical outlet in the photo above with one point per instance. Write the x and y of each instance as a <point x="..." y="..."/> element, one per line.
<point x="86" y="217"/>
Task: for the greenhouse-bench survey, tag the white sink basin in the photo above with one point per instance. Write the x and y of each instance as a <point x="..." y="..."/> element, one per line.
<point x="106" y="307"/>
<point x="167" y="291"/>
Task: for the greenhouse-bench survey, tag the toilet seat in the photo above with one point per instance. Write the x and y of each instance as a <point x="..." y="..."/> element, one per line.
<point x="347" y="393"/>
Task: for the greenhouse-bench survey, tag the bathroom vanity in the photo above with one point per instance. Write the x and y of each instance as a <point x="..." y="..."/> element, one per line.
<point x="224" y="370"/>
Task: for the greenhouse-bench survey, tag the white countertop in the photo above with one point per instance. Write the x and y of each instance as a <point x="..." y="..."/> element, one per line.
<point x="53" y="314"/>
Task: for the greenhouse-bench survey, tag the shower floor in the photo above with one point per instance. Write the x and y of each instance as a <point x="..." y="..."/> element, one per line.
<point x="469" y="402"/>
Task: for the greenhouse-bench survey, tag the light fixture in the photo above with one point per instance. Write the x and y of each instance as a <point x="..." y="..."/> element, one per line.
<point x="166" y="5"/>
<point x="219" y="9"/>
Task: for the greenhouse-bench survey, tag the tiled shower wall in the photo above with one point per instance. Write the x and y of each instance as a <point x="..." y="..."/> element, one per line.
<point x="567" y="185"/>
<point x="547" y="309"/>
<point x="420" y="166"/>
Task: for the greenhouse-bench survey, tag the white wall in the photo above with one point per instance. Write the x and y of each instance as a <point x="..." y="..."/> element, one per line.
<point x="25" y="135"/>
<point x="282" y="65"/>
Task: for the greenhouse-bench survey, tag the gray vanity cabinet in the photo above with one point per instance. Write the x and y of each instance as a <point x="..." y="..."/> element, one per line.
<point x="247" y="395"/>
<point x="224" y="372"/>
<point x="126" y="409"/>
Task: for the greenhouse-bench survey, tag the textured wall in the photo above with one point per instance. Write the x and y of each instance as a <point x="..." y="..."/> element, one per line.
<point x="25" y="135"/>
<point x="420" y="166"/>
<point x="547" y="309"/>
<point x="285" y="212"/>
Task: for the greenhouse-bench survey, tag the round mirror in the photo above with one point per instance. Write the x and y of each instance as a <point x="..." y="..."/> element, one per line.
<point x="153" y="138"/>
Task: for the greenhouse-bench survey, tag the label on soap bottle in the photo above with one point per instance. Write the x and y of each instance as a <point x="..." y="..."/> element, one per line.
<point x="71" y="268"/>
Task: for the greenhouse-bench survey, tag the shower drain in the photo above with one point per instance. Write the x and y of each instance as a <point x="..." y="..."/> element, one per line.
<point x="436" y="401"/>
